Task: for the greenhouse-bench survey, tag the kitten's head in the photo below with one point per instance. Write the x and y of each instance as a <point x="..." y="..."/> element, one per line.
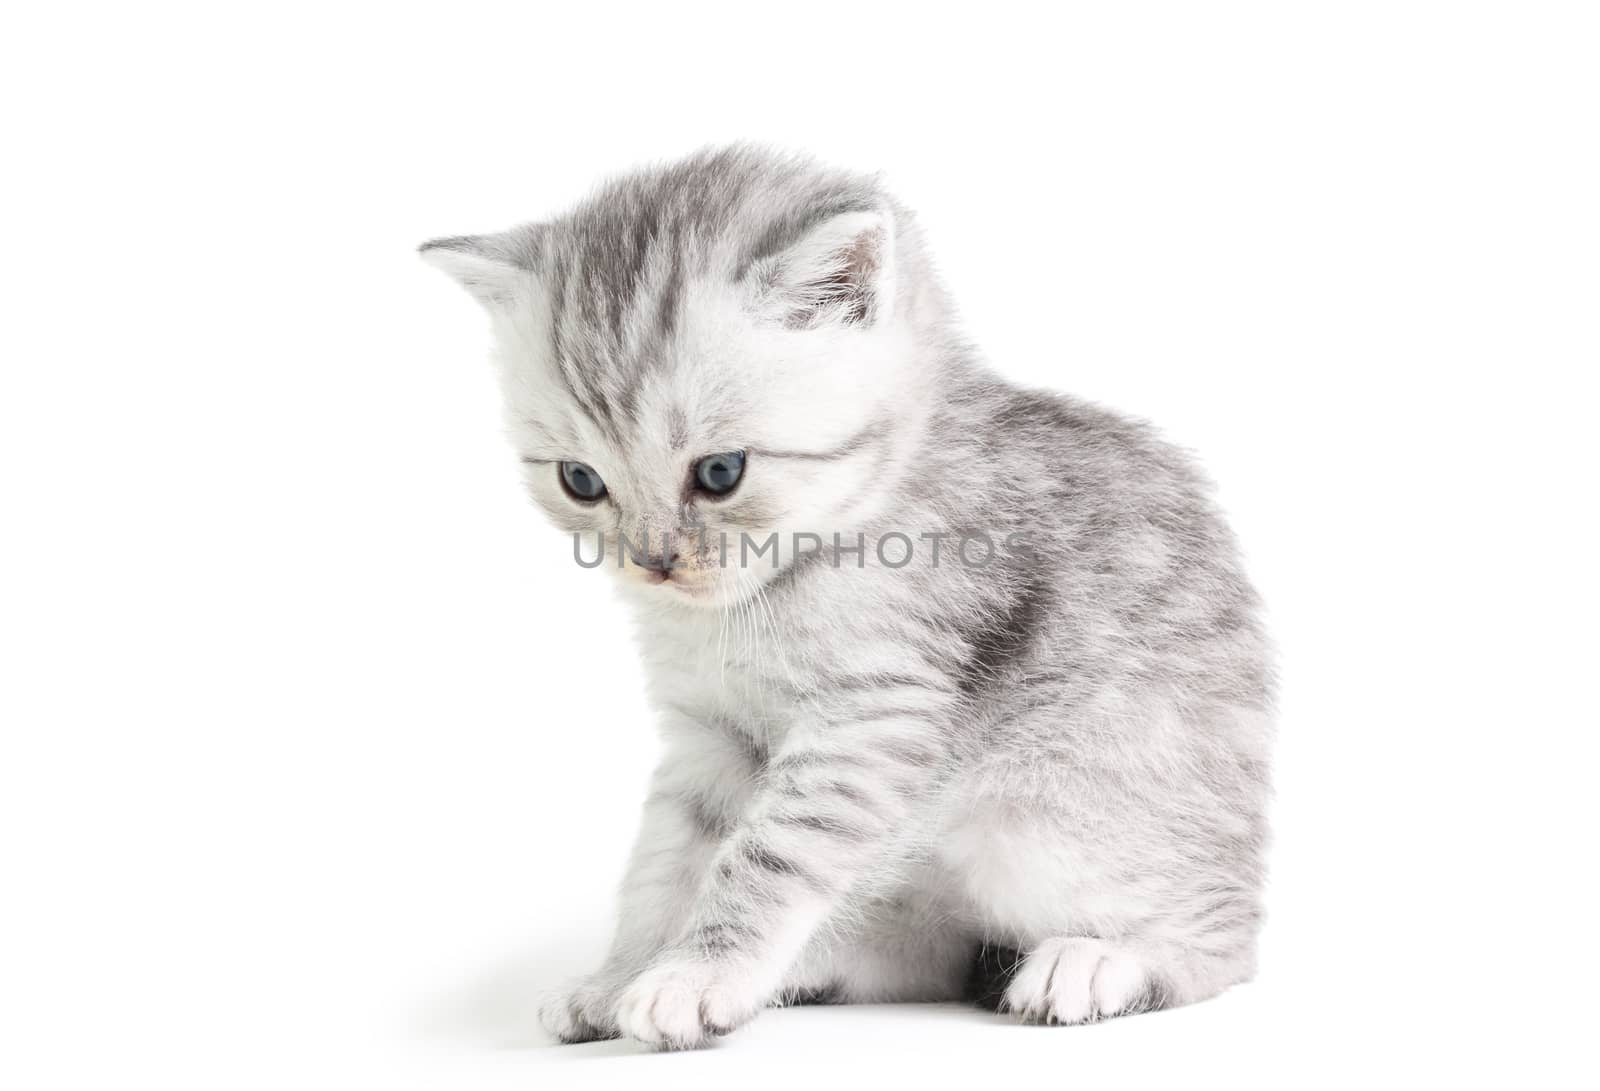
<point x="725" y="343"/>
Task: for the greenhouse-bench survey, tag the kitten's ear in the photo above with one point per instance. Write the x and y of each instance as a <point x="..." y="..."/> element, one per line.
<point x="841" y="272"/>
<point x="491" y="267"/>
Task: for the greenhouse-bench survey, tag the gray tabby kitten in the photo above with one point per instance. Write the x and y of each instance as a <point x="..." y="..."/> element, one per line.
<point x="1032" y="773"/>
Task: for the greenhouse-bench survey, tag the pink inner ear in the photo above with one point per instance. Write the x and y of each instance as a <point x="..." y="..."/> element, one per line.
<point x="853" y="285"/>
<point x="846" y="289"/>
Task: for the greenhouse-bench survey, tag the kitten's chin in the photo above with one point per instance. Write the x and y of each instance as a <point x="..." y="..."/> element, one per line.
<point x="689" y="591"/>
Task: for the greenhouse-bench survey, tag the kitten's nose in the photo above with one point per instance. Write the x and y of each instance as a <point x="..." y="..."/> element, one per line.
<point x="659" y="565"/>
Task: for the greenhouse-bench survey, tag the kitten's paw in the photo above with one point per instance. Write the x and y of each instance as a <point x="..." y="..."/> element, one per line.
<point x="682" y="1003"/>
<point x="1075" y="980"/>
<point x="582" y="1013"/>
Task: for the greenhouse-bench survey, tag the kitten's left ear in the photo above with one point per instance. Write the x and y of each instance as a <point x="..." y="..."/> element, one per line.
<point x="841" y="272"/>
<point x="491" y="267"/>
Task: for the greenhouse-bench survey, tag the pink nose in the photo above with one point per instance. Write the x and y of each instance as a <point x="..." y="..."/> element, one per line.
<point x="658" y="569"/>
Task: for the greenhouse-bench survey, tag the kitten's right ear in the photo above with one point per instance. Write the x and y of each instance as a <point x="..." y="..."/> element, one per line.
<point x="492" y="267"/>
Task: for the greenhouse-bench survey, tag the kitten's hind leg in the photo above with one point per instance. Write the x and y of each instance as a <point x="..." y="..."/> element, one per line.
<point x="1080" y="979"/>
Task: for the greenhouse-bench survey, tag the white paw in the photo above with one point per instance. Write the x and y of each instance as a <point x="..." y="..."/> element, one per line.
<point x="682" y="1003"/>
<point x="581" y="1013"/>
<point x="1074" y="980"/>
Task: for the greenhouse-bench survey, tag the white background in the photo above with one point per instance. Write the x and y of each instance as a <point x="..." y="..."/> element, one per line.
<point x="320" y="758"/>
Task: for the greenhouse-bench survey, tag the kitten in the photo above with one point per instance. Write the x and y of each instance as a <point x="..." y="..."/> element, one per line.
<point x="913" y="767"/>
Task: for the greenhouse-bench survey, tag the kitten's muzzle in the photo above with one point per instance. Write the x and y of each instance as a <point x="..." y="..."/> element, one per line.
<point x="659" y="568"/>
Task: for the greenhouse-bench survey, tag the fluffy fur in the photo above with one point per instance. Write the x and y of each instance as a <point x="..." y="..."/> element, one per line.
<point x="877" y="781"/>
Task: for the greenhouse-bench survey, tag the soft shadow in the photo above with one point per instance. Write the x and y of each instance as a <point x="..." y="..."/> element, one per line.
<point x="498" y="1007"/>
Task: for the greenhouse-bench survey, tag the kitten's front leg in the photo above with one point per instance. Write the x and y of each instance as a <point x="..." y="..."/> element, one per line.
<point x="832" y="807"/>
<point x="679" y="832"/>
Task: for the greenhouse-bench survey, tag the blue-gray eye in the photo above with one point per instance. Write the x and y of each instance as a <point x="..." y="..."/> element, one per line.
<point x="582" y="482"/>
<point x="720" y="473"/>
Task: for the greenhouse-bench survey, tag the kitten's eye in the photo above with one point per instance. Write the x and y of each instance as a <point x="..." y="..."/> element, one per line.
<point x="720" y="473"/>
<point x="582" y="482"/>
